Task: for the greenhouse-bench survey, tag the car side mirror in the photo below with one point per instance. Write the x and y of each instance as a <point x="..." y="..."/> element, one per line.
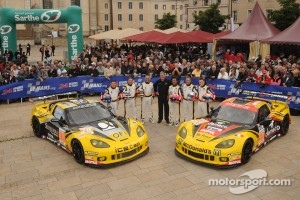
<point x="266" y="121"/>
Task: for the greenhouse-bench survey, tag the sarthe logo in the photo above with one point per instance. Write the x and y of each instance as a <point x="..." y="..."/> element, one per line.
<point x="51" y="16"/>
<point x="73" y="28"/>
<point x="5" y="29"/>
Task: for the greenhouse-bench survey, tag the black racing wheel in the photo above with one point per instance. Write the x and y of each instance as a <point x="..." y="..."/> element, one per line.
<point x="38" y="129"/>
<point x="247" y="151"/>
<point x="78" y="152"/>
<point x="285" y="124"/>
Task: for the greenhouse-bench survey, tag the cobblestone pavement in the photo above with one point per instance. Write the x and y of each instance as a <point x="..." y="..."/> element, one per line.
<point x="33" y="168"/>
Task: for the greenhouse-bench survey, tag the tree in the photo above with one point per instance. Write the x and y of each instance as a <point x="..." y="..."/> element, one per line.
<point x="286" y="15"/>
<point x="210" y="20"/>
<point x="166" y="22"/>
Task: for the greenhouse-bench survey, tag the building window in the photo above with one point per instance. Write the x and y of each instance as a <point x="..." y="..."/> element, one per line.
<point x="141" y="28"/>
<point x="181" y="17"/>
<point x="119" y="17"/>
<point x="164" y="7"/>
<point x="141" y="17"/>
<point x="156" y="6"/>
<point x="156" y="17"/>
<point x="219" y="1"/>
<point x="119" y="5"/>
<point x="130" y="17"/>
<point x="106" y="5"/>
<point x="75" y="2"/>
<point x="106" y="28"/>
<point x="181" y="7"/>
<point x="235" y="16"/>
<point x="130" y="5"/>
<point x="173" y="7"/>
<point x="105" y="17"/>
<point x="235" y="1"/>
<point x="249" y="12"/>
<point x="141" y="5"/>
<point x="205" y="2"/>
<point x="180" y="26"/>
<point x="47" y="4"/>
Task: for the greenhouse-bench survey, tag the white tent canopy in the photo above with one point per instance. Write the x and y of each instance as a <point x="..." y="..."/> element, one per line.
<point x="115" y="34"/>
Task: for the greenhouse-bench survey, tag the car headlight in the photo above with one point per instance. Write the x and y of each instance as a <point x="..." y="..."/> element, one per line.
<point x="226" y="144"/>
<point x="140" y="131"/>
<point x="182" y="132"/>
<point x="99" y="144"/>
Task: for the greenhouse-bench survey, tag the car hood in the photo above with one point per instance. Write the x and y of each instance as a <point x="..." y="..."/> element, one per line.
<point x="110" y="129"/>
<point x="211" y="130"/>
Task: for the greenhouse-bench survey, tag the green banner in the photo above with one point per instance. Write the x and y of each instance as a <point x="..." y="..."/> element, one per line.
<point x="71" y="15"/>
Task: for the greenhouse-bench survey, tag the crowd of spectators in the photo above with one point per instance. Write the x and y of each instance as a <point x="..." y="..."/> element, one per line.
<point x="111" y="60"/>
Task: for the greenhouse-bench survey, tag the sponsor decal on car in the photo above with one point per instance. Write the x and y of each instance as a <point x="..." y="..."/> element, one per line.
<point x="191" y="147"/>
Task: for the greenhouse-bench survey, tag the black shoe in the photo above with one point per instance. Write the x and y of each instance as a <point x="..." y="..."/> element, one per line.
<point x="168" y="122"/>
<point x="159" y="121"/>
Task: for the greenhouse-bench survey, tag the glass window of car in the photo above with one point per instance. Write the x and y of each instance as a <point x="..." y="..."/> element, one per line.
<point x="263" y="113"/>
<point x="58" y="113"/>
<point x="235" y="115"/>
<point x="88" y="114"/>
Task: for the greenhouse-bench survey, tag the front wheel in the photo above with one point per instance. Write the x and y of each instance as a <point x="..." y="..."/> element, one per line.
<point x="77" y="151"/>
<point x="247" y="151"/>
<point x="38" y="129"/>
<point x="285" y="125"/>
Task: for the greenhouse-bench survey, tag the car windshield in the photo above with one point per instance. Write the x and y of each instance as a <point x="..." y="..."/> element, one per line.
<point x="87" y="113"/>
<point x="236" y="115"/>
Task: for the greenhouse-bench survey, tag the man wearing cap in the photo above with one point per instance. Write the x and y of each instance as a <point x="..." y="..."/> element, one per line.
<point x="129" y="92"/>
<point x="264" y="79"/>
<point x="147" y="91"/>
<point x="188" y="89"/>
<point x="288" y="79"/>
<point x="114" y="91"/>
<point x="93" y="71"/>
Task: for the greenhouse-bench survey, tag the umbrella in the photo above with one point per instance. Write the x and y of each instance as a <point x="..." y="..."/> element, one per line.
<point x="174" y="29"/>
<point x="148" y="36"/>
<point x="174" y="38"/>
<point x="105" y="35"/>
<point x="200" y="36"/>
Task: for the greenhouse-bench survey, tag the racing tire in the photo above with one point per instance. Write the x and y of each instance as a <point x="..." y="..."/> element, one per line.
<point x="38" y="129"/>
<point x="285" y="124"/>
<point x="78" y="152"/>
<point x="247" y="151"/>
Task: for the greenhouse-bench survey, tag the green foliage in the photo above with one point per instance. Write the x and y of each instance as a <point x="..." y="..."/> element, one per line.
<point x="286" y="15"/>
<point x="166" y="22"/>
<point x="210" y="20"/>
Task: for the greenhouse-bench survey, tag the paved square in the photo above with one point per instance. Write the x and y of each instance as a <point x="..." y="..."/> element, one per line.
<point x="33" y="168"/>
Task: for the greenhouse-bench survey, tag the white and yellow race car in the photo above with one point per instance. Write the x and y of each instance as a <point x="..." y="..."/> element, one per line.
<point x="89" y="131"/>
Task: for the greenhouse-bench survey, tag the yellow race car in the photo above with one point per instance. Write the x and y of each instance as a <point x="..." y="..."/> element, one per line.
<point x="233" y="131"/>
<point x="89" y="131"/>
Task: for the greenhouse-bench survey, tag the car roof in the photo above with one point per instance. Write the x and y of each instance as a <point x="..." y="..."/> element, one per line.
<point x="71" y="103"/>
<point x="244" y="103"/>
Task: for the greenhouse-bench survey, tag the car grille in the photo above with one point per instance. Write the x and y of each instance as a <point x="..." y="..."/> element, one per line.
<point x="198" y="155"/>
<point x="126" y="154"/>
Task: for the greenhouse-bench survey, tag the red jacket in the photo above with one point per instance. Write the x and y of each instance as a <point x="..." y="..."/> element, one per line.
<point x="267" y="79"/>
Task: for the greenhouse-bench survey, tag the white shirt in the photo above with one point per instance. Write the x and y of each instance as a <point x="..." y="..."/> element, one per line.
<point x="147" y="88"/>
<point x="113" y="92"/>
